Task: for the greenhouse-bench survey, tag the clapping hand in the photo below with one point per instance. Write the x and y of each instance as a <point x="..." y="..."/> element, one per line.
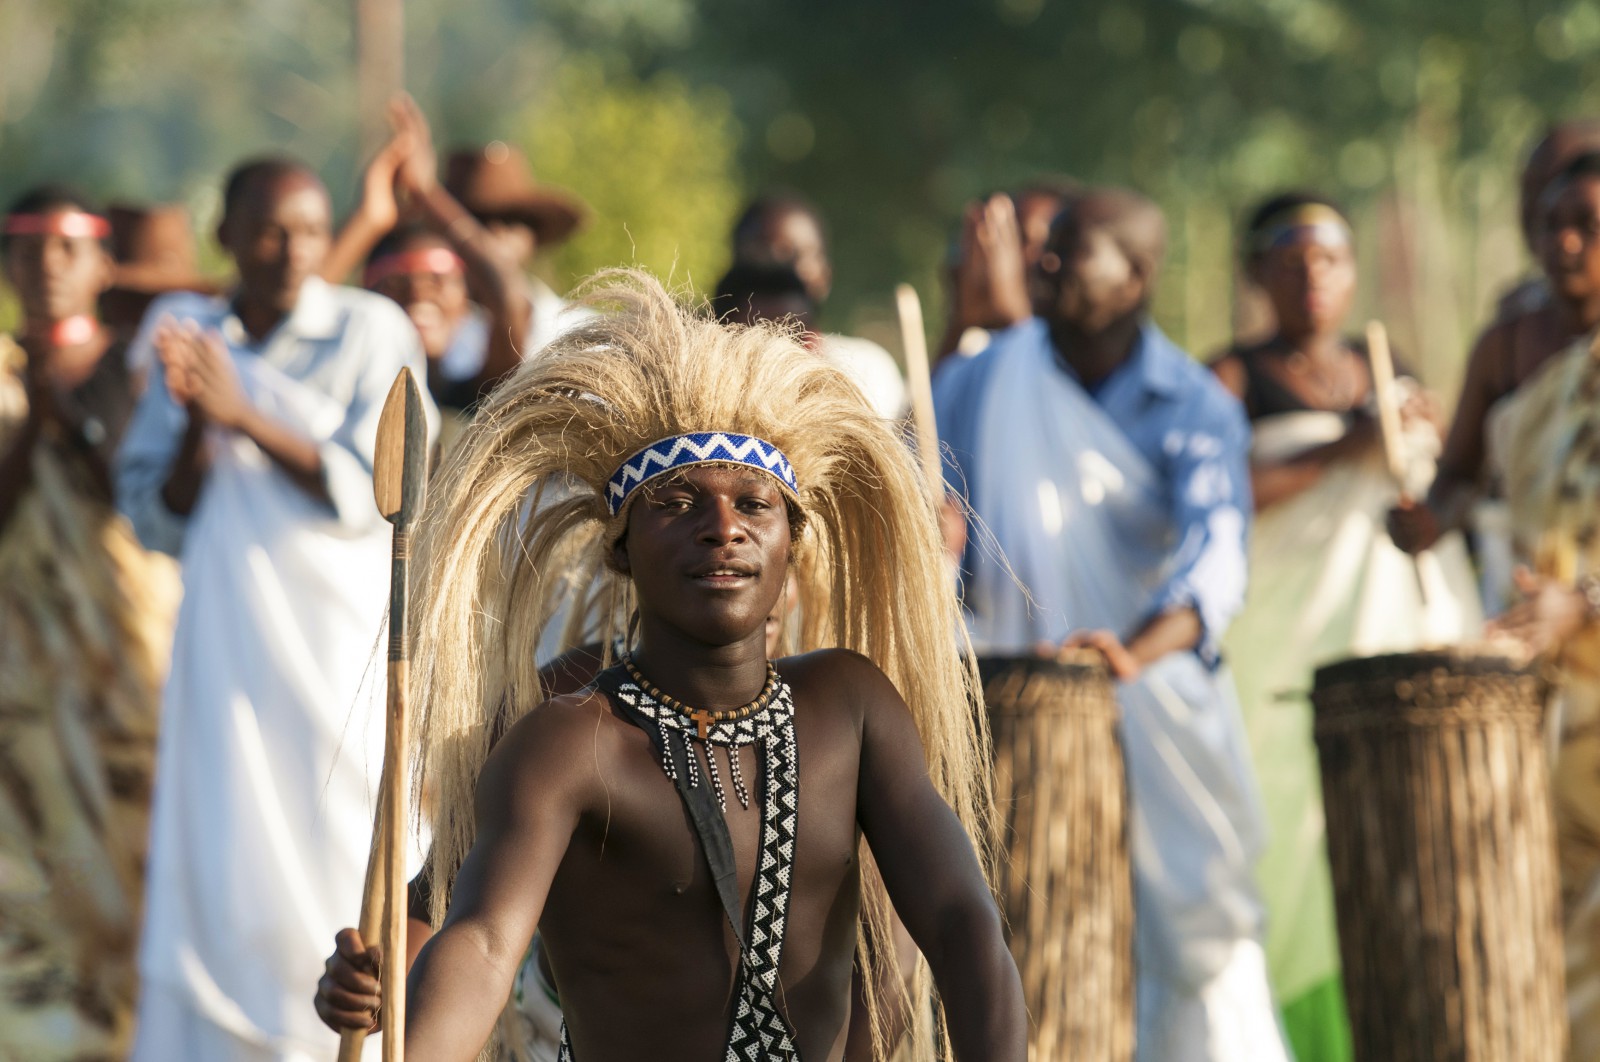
<point x="418" y="170"/>
<point x="200" y="374"/>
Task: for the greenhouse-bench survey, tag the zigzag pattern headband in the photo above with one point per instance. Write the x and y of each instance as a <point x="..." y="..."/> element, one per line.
<point x="696" y="448"/>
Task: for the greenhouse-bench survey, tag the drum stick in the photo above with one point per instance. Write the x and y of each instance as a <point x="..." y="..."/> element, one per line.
<point x="1389" y="424"/>
<point x="919" y="381"/>
<point x="1384" y="390"/>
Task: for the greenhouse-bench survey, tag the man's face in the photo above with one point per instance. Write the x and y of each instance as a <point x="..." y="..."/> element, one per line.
<point x="759" y="308"/>
<point x="278" y="234"/>
<point x="1087" y="280"/>
<point x="57" y="277"/>
<point x="793" y="238"/>
<point x="1570" y="247"/>
<point x="512" y="242"/>
<point x="1310" y="281"/>
<point x="432" y="293"/>
<point x="708" y="552"/>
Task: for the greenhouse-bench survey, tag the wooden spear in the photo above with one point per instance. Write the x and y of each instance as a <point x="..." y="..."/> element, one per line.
<point x="399" y="483"/>
<point x="919" y="381"/>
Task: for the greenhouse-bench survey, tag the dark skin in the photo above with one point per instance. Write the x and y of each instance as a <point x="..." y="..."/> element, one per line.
<point x="1095" y="280"/>
<point x="1311" y="281"/>
<point x="277" y="234"/>
<point x="349" y="994"/>
<point x="989" y="282"/>
<point x="595" y="850"/>
<point x="436" y="303"/>
<point x="1510" y="352"/>
<point x="56" y="278"/>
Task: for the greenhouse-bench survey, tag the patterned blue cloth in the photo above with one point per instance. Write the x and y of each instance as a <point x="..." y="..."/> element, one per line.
<point x="1193" y="433"/>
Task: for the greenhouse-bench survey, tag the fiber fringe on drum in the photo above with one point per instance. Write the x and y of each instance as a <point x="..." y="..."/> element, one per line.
<point x="1442" y="847"/>
<point x="1064" y="877"/>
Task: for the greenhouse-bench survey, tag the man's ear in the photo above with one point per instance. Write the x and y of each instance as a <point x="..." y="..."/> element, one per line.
<point x="619" y="556"/>
<point x="222" y="231"/>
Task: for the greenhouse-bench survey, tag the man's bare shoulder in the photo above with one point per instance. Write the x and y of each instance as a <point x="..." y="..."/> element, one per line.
<point x="840" y="677"/>
<point x="538" y="756"/>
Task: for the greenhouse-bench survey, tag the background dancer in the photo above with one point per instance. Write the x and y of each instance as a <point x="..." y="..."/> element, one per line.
<point x="250" y="457"/>
<point x="778" y="230"/>
<point x="1110" y="471"/>
<point x="1542" y="443"/>
<point x="1325" y="581"/>
<point x="85" y="634"/>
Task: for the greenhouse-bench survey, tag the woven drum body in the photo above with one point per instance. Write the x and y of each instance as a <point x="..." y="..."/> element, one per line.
<point x="1064" y="877"/>
<point x="1442" y="847"/>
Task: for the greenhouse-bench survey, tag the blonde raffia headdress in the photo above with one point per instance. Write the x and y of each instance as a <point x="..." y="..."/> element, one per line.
<point x="526" y="499"/>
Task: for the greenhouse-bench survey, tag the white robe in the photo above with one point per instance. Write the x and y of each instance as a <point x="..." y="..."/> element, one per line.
<point x="272" y="733"/>
<point x="1326" y="583"/>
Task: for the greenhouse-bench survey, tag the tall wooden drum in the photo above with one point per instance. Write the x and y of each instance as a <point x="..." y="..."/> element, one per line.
<point x="1064" y="876"/>
<point x="1436" y="790"/>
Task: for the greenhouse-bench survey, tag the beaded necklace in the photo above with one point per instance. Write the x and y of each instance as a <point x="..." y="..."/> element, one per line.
<point x="730" y="728"/>
<point x="757" y="1027"/>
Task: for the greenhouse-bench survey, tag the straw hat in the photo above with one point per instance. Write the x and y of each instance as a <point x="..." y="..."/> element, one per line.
<point x="495" y="181"/>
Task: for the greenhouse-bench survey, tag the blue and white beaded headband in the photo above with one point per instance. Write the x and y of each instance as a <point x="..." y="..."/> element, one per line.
<point x="696" y="448"/>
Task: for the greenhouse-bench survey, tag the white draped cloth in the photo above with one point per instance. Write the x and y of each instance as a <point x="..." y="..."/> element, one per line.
<point x="272" y="733"/>
<point x="1327" y="583"/>
<point x="1085" y="525"/>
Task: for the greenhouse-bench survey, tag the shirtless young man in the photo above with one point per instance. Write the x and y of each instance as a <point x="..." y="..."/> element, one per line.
<point x="685" y="833"/>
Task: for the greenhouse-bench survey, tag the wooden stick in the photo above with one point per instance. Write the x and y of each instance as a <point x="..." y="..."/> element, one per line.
<point x="1388" y="397"/>
<point x="919" y="381"/>
<point x="394" y="820"/>
<point x="399" y="485"/>
<point x="1390" y="427"/>
<point x="373" y="893"/>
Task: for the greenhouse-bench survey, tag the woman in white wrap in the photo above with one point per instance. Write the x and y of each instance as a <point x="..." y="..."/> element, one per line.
<point x="1325" y="581"/>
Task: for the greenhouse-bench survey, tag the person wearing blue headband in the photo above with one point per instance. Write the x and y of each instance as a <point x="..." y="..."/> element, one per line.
<point x="685" y="832"/>
<point x="1322" y="566"/>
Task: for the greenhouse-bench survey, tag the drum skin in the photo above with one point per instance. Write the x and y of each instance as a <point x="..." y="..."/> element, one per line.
<point x="1063" y="876"/>
<point x="1442" y="846"/>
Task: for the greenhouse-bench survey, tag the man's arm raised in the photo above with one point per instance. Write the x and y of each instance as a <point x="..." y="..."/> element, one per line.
<point x="934" y="880"/>
<point x="529" y="799"/>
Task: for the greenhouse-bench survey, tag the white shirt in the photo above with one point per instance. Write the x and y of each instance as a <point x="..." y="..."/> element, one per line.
<point x="470" y="345"/>
<point x="873" y="369"/>
<point x="347" y="343"/>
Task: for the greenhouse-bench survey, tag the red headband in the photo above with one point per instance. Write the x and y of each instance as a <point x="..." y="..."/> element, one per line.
<point x="436" y="260"/>
<point x="73" y="224"/>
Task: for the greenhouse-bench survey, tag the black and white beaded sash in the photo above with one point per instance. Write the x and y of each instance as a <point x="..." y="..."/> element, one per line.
<point x="758" y="1030"/>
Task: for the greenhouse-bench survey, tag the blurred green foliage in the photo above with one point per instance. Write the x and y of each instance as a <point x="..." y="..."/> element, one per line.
<point x="890" y="115"/>
<point x="656" y="161"/>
